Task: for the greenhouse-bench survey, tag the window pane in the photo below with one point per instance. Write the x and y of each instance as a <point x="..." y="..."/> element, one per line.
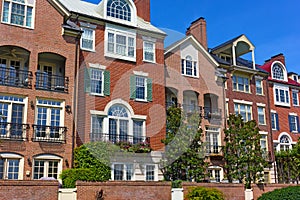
<point x="53" y="169"/>
<point x="148" y="51"/>
<point x="17" y="14"/>
<point x="5" y="13"/>
<point x="29" y="17"/>
<point x="118" y="172"/>
<point x="150" y="172"/>
<point x="38" y="170"/>
<point x="140" y="88"/>
<point x="96" y="81"/>
<point x="129" y="172"/>
<point x="13" y="169"/>
<point x="87" y="39"/>
<point x="130" y="47"/>
<point x="118" y="9"/>
<point x="121" y="45"/>
<point x="2" y="161"/>
<point x="137" y="131"/>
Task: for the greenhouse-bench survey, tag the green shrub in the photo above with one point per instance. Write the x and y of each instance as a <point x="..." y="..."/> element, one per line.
<point x="177" y="184"/>
<point x="202" y="193"/>
<point x="288" y="193"/>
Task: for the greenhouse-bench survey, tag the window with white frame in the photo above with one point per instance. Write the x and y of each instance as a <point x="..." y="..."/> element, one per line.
<point x="123" y="172"/>
<point x="11" y="166"/>
<point x="96" y="128"/>
<point x="119" y="9"/>
<point x="138" y="131"/>
<point x="259" y="86"/>
<point x="150" y="172"/>
<point x="149" y="51"/>
<point x="285" y="143"/>
<point x="215" y="173"/>
<point x="295" y="96"/>
<point x="244" y="110"/>
<point x="18" y="12"/>
<point x="118" y="124"/>
<point x="49" y="120"/>
<point x="120" y="43"/>
<point x="241" y="83"/>
<point x="12" y="116"/>
<point x="47" y="166"/>
<point x="274" y="121"/>
<point x="140" y="88"/>
<point x="261" y="115"/>
<point x="212" y="138"/>
<point x="87" y="39"/>
<point x="189" y="67"/>
<point x="294" y="123"/>
<point x="97" y="81"/>
<point x="281" y="95"/>
<point x="277" y="72"/>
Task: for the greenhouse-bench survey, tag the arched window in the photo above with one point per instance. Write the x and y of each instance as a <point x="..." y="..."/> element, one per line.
<point x="285" y="143"/>
<point x="188" y="66"/>
<point x="118" y="123"/>
<point x="119" y="9"/>
<point x="278" y="72"/>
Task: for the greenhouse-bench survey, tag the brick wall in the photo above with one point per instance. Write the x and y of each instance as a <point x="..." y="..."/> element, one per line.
<point x="33" y="190"/>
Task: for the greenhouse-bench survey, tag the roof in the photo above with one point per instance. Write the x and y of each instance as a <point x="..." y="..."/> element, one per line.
<point x="90" y="9"/>
<point x="226" y="43"/>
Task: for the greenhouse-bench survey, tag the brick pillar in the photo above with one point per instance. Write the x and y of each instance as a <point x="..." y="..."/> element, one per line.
<point x="198" y="30"/>
<point x="143" y="9"/>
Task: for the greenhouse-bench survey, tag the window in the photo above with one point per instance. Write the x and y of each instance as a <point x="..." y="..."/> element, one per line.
<point x="150" y="172"/>
<point x="261" y="115"/>
<point x="294" y="124"/>
<point x="263" y="143"/>
<point x="138" y="132"/>
<point x="295" y="95"/>
<point x="47" y="166"/>
<point x="149" y="51"/>
<point x="212" y="140"/>
<point x="189" y="67"/>
<point x="12" y="117"/>
<point x="118" y="9"/>
<point x="295" y="78"/>
<point x="241" y="83"/>
<point x="97" y="81"/>
<point x="11" y="166"/>
<point x="118" y="124"/>
<point x="285" y="143"/>
<point x="282" y="95"/>
<point x="140" y="88"/>
<point x="120" y="43"/>
<point x="88" y="39"/>
<point x="215" y="173"/>
<point x="259" y="86"/>
<point x="277" y="72"/>
<point x="97" y="128"/>
<point x="18" y="12"/>
<point x="274" y="121"/>
<point x="244" y="110"/>
<point x="49" y="120"/>
<point x="123" y="172"/>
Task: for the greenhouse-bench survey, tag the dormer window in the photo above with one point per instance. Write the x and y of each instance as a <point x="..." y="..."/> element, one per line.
<point x="278" y="72"/>
<point x="119" y="9"/>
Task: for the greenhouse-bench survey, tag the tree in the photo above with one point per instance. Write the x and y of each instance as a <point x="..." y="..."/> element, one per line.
<point x="242" y="152"/>
<point x="183" y="158"/>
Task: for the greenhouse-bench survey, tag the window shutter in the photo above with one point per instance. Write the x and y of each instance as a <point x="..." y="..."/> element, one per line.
<point x="149" y="89"/>
<point x="277" y="121"/>
<point x="290" y="123"/>
<point x="298" y="124"/>
<point x="106" y="90"/>
<point x="132" y="87"/>
<point x="87" y="80"/>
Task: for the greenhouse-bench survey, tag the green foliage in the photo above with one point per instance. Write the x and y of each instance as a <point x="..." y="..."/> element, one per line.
<point x="183" y="158"/>
<point x="177" y="184"/>
<point x="244" y="157"/>
<point x="288" y="193"/>
<point x="202" y="193"/>
<point x="142" y="147"/>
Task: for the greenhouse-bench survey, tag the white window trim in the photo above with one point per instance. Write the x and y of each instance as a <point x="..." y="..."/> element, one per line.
<point x="277" y="142"/>
<point x="193" y="61"/>
<point x="9" y="16"/>
<point x="239" y="110"/>
<point x="133" y="178"/>
<point x="110" y="28"/>
<point x="154" y="50"/>
<point x="146" y="89"/>
<point x="285" y="78"/>
<point x="213" y="168"/>
<point x="284" y="88"/>
<point x="297" y="91"/>
<point x="155" y="171"/>
<point x="237" y="83"/>
<point x="262" y="85"/>
<point x="264" y="112"/>
<point x="88" y="27"/>
<point x="21" y="162"/>
<point x="242" y="102"/>
<point x="102" y="84"/>
<point x="273" y="112"/>
<point x="97" y="66"/>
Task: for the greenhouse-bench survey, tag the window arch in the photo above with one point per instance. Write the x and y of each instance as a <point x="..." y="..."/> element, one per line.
<point x="118" y="124"/>
<point x="119" y="9"/>
<point x="277" y="72"/>
<point x="285" y="143"/>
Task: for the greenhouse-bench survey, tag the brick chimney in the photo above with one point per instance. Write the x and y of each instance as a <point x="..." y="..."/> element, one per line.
<point x="198" y="30"/>
<point x="143" y="9"/>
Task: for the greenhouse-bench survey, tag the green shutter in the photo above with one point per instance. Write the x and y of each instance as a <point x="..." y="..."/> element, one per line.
<point x="149" y="89"/>
<point x="106" y="90"/>
<point x="87" y="80"/>
<point x="132" y="87"/>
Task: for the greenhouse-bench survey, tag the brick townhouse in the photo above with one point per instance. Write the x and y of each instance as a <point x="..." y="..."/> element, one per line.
<point x="284" y="103"/>
<point x="121" y="82"/>
<point x="246" y="89"/>
<point x="194" y="84"/>
<point x="37" y="65"/>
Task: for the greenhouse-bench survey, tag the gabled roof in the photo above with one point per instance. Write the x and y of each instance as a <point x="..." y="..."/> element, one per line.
<point x="92" y="10"/>
<point x="226" y="43"/>
<point x="192" y="39"/>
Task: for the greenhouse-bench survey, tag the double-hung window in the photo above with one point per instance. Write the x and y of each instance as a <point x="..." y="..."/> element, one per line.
<point x="150" y="172"/>
<point x="241" y="83"/>
<point x="97" y="128"/>
<point x="123" y="172"/>
<point x="120" y="43"/>
<point x="295" y="95"/>
<point x="244" y="110"/>
<point x="18" y="12"/>
<point x="259" y="86"/>
<point x="88" y="39"/>
<point x="212" y="138"/>
<point x="294" y="123"/>
<point x="281" y="95"/>
<point x="189" y="67"/>
<point x="12" y="117"/>
<point x="261" y="115"/>
<point x="274" y="121"/>
<point x="149" y="50"/>
<point x="97" y="81"/>
<point x="138" y="131"/>
<point x="140" y="88"/>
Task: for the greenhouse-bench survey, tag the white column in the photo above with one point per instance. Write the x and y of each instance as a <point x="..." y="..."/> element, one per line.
<point x="253" y="59"/>
<point x="233" y="55"/>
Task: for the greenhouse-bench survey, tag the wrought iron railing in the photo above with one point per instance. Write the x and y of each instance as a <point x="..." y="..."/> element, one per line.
<point x="45" y="81"/>
<point x="13" y="131"/>
<point x="212" y="113"/>
<point x="42" y="133"/>
<point x="113" y="138"/>
<point x="15" y="77"/>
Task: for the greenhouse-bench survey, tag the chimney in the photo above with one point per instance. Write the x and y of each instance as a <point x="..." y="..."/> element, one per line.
<point x="198" y="30"/>
<point x="279" y="57"/>
<point x="143" y="9"/>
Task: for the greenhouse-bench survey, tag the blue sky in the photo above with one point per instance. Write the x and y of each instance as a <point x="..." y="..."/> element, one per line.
<point x="273" y="26"/>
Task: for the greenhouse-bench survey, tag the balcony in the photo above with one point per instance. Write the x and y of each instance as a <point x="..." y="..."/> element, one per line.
<point x="15" y="77"/>
<point x="172" y="104"/>
<point x="13" y="131"/>
<point x="44" y="133"/>
<point x="50" y="82"/>
<point x="190" y="108"/>
<point x="213" y="150"/>
<point x="212" y="113"/>
<point x="113" y="138"/>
